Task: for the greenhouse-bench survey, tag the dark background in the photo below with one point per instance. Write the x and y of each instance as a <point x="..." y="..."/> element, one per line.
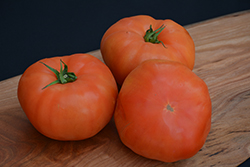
<point x="31" y="30"/>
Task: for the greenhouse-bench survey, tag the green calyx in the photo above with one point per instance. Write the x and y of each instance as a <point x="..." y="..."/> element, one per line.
<point x="63" y="76"/>
<point x="152" y="36"/>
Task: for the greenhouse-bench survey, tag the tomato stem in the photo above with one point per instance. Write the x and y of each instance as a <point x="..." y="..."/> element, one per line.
<point x="63" y="76"/>
<point x="151" y="36"/>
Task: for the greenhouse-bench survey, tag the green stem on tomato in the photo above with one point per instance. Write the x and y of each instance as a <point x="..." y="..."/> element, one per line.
<point x="63" y="76"/>
<point x="152" y="36"/>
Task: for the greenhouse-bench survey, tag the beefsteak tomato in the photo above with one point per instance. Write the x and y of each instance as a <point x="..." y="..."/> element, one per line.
<point x="75" y="110"/>
<point x="133" y="40"/>
<point x="163" y="111"/>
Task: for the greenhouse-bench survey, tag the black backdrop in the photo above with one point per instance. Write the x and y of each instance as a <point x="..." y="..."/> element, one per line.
<point x="31" y="30"/>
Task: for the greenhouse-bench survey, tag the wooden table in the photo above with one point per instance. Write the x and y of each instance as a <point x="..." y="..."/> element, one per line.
<point x="222" y="61"/>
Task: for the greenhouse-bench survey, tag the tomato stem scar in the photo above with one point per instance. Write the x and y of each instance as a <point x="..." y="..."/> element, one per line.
<point x="169" y="108"/>
<point x="63" y="76"/>
<point x="151" y="36"/>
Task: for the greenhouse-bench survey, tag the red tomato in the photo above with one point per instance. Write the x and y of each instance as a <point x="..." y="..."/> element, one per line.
<point x="131" y="41"/>
<point x="163" y="111"/>
<point x="71" y="111"/>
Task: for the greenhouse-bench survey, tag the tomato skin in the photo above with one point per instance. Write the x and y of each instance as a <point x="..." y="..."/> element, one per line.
<point x="123" y="47"/>
<point x="68" y="111"/>
<point x="145" y="122"/>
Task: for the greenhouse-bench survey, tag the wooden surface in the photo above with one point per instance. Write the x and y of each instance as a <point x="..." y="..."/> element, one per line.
<point x="222" y="61"/>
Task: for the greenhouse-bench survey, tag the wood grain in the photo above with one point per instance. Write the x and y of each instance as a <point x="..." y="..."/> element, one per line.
<point x="222" y="61"/>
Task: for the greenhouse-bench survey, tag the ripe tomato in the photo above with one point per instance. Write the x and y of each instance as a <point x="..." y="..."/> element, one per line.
<point x="132" y="40"/>
<point x="71" y="111"/>
<point x="163" y="111"/>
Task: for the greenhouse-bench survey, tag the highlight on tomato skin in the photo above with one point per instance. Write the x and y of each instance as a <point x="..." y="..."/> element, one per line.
<point x="132" y="40"/>
<point x="163" y="111"/>
<point x="69" y="97"/>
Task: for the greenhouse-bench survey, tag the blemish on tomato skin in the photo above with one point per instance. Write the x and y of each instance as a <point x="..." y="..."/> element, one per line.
<point x="125" y="127"/>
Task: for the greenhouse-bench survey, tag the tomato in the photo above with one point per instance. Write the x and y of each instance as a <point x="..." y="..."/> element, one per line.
<point x="163" y="111"/>
<point x="74" y="110"/>
<point x="133" y="40"/>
